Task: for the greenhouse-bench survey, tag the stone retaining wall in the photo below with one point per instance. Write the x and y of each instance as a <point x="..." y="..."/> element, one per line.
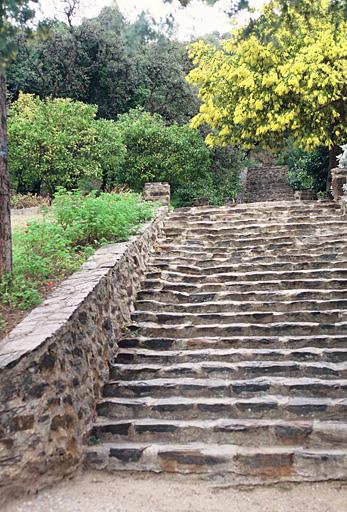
<point x="53" y="365"/>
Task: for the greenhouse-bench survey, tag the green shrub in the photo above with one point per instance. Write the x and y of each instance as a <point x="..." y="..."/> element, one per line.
<point x="56" y="142"/>
<point x="156" y="152"/>
<point x="98" y="218"/>
<point x="306" y="170"/>
<point x="46" y="251"/>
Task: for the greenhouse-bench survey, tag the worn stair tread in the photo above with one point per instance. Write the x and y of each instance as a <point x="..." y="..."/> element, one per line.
<point x="189" y="330"/>
<point x="240" y="354"/>
<point x="262" y="296"/>
<point x="194" y="401"/>
<point x="244" y="464"/>
<point x="227" y="267"/>
<point x="252" y="432"/>
<point x="221" y="449"/>
<point x="286" y="274"/>
<point x="226" y="423"/>
<point x="264" y="364"/>
<point x="216" y="387"/>
<point x="304" y="283"/>
<point x="226" y="317"/>
<point x="297" y="341"/>
<point x="223" y="306"/>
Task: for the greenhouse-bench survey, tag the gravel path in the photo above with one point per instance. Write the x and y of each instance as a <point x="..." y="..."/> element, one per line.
<point x="101" y="492"/>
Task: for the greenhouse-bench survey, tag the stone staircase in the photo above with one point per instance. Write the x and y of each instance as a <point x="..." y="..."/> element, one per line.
<point x="235" y="365"/>
<point x="267" y="183"/>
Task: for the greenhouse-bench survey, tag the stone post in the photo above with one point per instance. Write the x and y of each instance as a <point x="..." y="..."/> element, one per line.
<point x="338" y="179"/>
<point x="159" y="192"/>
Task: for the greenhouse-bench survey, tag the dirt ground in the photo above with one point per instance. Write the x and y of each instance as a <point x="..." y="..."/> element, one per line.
<point x="102" y="492"/>
<point x="20" y="219"/>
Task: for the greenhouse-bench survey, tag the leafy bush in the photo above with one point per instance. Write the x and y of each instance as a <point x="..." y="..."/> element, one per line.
<point x="156" y="152"/>
<point x="92" y="219"/>
<point x="306" y="170"/>
<point x="48" y="250"/>
<point x="56" y="142"/>
<point x="186" y="194"/>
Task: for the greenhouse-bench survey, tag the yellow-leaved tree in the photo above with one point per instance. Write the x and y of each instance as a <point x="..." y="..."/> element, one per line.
<point x="284" y="75"/>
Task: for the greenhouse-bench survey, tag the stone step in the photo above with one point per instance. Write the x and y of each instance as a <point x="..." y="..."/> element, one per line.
<point x="243" y="432"/>
<point x="243" y="236"/>
<point x="263" y="255"/>
<point x="234" y="329"/>
<point x="169" y="357"/>
<point x="215" y="388"/>
<point x="261" y="244"/>
<point x="190" y="266"/>
<point x="213" y="228"/>
<point x="227" y="306"/>
<point x="228" y="318"/>
<point x="241" y="464"/>
<point x="259" y="407"/>
<point x="289" y="342"/>
<point x="209" y="255"/>
<point x="254" y="236"/>
<point x="217" y="369"/>
<point x="249" y="297"/>
<point x="227" y="277"/>
<point x="246" y="286"/>
<point x="254" y="219"/>
<point x="236" y="219"/>
<point x="273" y="209"/>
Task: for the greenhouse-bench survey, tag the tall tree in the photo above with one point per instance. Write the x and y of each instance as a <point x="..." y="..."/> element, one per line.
<point x="282" y="77"/>
<point x="11" y="12"/>
<point x="108" y="62"/>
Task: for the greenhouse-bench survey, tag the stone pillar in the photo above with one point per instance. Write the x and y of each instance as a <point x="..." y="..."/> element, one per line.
<point x="159" y="192"/>
<point x="338" y="179"/>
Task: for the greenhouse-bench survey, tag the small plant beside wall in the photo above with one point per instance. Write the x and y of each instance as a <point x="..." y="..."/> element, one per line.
<point x="322" y="196"/>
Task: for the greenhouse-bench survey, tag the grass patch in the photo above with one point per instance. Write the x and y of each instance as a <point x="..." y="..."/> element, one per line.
<point x="48" y="250"/>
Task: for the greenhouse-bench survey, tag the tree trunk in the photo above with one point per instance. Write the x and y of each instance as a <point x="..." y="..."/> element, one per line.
<point x="5" y="209"/>
<point x="335" y="151"/>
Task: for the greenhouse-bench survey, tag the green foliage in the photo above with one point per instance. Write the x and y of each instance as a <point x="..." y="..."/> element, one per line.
<point x="107" y="62"/>
<point x="46" y="251"/>
<point x="306" y="169"/>
<point x="161" y="85"/>
<point x="199" y="189"/>
<point x="13" y="13"/>
<point x="91" y="219"/>
<point x="57" y="142"/>
<point x="156" y="152"/>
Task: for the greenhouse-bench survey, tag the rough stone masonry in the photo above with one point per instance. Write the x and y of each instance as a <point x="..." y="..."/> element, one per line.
<point x="53" y="365"/>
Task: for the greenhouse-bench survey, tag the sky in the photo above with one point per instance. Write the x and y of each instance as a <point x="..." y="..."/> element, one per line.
<point x="192" y="21"/>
